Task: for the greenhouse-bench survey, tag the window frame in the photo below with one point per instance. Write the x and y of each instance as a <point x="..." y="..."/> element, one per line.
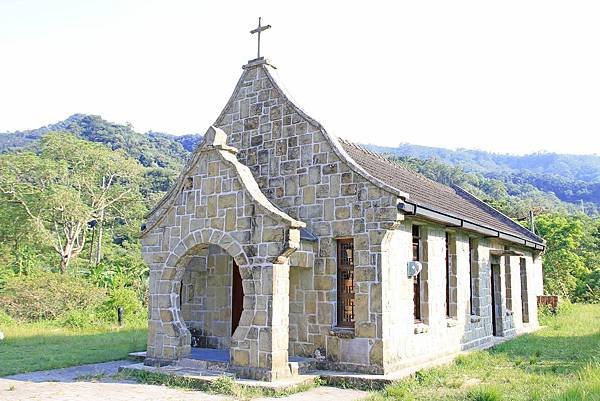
<point x="417" y="247"/>
<point x="345" y="298"/>
<point x="448" y="275"/>
<point x="471" y="267"/>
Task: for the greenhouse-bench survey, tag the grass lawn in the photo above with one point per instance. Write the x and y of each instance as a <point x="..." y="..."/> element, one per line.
<point x="39" y="346"/>
<point x="559" y="362"/>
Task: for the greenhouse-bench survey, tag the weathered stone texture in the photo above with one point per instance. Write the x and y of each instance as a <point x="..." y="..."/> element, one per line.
<point x="299" y="168"/>
<point x="251" y="204"/>
<point x="206" y="297"/>
<point x="213" y="195"/>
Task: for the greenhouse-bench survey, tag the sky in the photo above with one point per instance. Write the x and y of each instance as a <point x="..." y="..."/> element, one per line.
<point x="510" y="77"/>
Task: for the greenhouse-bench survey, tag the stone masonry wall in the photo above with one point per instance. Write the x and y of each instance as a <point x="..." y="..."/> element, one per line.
<point x="407" y="343"/>
<point x="299" y="169"/>
<point x="206" y="297"/>
<point x="216" y="201"/>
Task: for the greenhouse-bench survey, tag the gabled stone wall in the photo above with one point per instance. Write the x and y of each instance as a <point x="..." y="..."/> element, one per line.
<point x="216" y="202"/>
<point x="299" y="168"/>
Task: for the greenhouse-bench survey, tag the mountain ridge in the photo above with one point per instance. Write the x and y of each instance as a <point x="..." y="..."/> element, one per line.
<point x="570" y="178"/>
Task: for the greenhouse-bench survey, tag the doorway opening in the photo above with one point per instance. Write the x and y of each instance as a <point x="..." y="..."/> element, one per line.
<point x="524" y="293"/>
<point x="211" y="297"/>
<point x="237" y="297"/>
<point x="496" y="293"/>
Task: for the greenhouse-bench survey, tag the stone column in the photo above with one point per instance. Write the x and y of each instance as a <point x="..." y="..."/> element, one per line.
<point x="259" y="347"/>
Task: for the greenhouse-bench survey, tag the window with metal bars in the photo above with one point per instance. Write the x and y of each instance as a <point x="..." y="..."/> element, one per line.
<point x="416" y="250"/>
<point x="345" y="276"/>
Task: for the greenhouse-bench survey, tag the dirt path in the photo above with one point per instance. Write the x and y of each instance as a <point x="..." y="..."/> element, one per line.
<point x="100" y="382"/>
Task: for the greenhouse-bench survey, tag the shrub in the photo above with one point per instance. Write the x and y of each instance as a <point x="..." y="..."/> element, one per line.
<point x="5" y="319"/>
<point x="547" y="315"/>
<point x="126" y="298"/>
<point x="484" y="393"/>
<point x="80" y="319"/>
<point x="48" y="296"/>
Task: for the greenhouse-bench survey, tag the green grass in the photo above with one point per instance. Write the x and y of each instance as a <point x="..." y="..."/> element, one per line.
<point x="30" y="347"/>
<point x="561" y="362"/>
<point x="558" y="363"/>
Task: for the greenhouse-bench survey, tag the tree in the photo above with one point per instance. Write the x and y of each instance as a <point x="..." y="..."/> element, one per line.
<point x="67" y="185"/>
<point x="564" y="265"/>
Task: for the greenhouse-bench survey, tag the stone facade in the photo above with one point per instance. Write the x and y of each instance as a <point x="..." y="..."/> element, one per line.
<point x="268" y="170"/>
<point x="216" y="203"/>
<point x="206" y="297"/>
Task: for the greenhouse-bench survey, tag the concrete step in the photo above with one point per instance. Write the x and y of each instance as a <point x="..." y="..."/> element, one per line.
<point x="213" y="361"/>
<point x="212" y="366"/>
<point x="137" y="356"/>
<point x="300" y="365"/>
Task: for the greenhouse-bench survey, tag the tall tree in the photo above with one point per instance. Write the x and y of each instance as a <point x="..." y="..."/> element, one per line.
<point x="68" y="184"/>
<point x="563" y="262"/>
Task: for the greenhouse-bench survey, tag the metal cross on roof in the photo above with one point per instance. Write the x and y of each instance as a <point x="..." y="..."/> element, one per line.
<point x="258" y="31"/>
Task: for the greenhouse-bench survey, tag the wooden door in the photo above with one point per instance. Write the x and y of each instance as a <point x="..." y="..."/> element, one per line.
<point x="237" y="298"/>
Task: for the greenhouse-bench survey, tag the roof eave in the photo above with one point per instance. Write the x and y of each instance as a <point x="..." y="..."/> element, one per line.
<point x="470" y="225"/>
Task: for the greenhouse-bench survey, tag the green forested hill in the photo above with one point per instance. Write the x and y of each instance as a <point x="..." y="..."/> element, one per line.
<point x="537" y="181"/>
<point x="572" y="178"/>
<point x="75" y="162"/>
<point x="162" y="154"/>
<point x="152" y="149"/>
<point x="576" y="167"/>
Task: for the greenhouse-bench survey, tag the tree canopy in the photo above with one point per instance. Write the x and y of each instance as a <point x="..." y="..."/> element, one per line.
<point x="66" y="186"/>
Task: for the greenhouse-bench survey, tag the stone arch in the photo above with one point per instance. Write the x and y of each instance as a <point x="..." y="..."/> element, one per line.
<point x="206" y="236"/>
<point x="171" y="318"/>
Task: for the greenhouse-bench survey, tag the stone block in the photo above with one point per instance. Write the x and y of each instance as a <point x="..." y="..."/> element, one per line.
<point x="342" y="228"/>
<point x="355" y="350"/>
<point x="326" y="283"/>
<point x="376" y="353"/>
<point x="250" y="123"/>
<point x="342" y="213"/>
<point x="325" y="313"/>
<point x="241" y="357"/>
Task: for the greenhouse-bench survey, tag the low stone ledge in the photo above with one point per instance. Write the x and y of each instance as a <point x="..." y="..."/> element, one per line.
<point x="342" y="332"/>
<point x="205" y="376"/>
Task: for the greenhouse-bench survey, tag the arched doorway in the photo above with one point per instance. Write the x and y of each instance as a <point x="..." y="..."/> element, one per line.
<point x="211" y="297"/>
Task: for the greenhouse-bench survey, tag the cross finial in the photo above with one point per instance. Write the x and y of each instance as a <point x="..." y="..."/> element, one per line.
<point x="258" y="31"/>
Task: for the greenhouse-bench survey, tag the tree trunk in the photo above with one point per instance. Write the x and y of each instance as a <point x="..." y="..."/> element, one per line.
<point x="100" y="229"/>
<point x="74" y="243"/>
<point x="92" y="246"/>
<point x="64" y="264"/>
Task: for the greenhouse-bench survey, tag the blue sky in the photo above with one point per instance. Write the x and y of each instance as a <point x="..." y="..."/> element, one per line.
<point x="513" y="76"/>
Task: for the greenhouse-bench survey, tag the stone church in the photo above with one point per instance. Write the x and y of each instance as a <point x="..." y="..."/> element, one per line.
<point x="282" y="243"/>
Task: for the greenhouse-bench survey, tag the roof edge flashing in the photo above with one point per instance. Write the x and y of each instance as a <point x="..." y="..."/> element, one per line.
<point x="434" y="215"/>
